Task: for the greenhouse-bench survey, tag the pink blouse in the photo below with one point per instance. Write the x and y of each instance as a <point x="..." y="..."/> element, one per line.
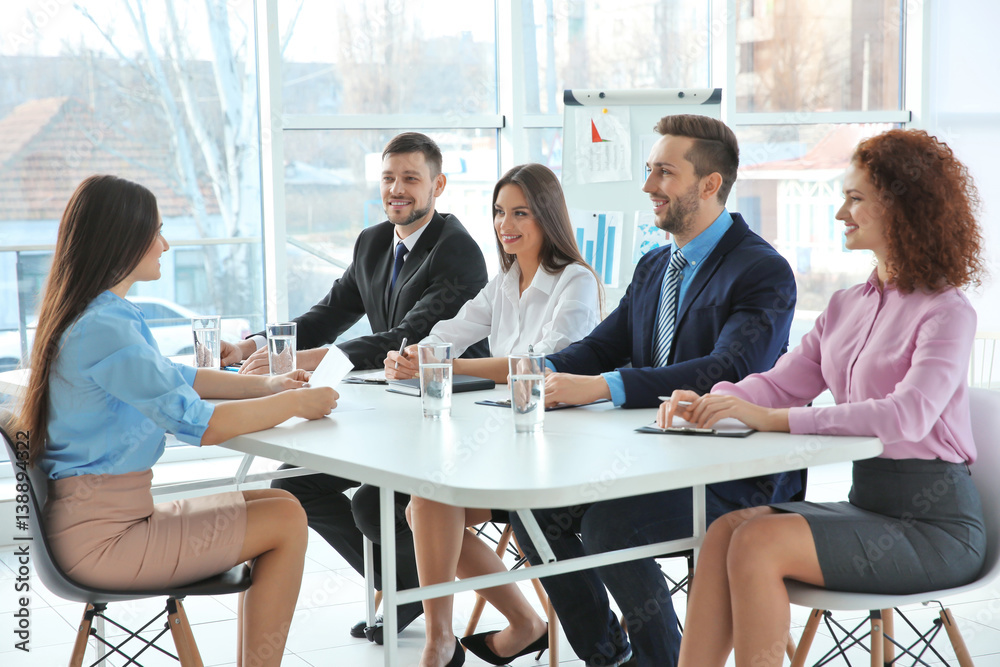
<point x="896" y="364"/>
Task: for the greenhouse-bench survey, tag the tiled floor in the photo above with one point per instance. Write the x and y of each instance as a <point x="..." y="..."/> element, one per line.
<point x="332" y="600"/>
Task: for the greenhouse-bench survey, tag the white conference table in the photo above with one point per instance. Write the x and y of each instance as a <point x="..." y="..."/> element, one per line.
<point x="474" y="459"/>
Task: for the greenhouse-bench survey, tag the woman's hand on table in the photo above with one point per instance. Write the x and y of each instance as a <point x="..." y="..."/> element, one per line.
<point x="314" y="402"/>
<point x="293" y="380"/>
<point x="401" y="366"/>
<point x="705" y="411"/>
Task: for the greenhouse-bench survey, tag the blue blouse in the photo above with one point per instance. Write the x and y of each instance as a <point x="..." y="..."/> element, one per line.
<point x="112" y="396"/>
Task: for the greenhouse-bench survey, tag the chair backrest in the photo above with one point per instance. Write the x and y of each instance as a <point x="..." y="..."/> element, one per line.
<point x="985" y="408"/>
<point x="51" y="575"/>
<point x="984" y="357"/>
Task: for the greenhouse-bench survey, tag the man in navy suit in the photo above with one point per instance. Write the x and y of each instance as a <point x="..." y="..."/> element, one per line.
<point x="715" y="305"/>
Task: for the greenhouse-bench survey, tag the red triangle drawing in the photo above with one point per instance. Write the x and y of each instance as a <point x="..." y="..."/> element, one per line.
<point x="595" y="136"/>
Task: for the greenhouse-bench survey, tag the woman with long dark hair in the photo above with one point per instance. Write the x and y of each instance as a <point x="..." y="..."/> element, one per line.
<point x="894" y="352"/>
<point x="99" y="401"/>
<point x="545" y="297"/>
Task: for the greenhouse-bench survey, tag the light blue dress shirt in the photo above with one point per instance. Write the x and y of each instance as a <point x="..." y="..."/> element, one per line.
<point x="112" y="396"/>
<point x="695" y="253"/>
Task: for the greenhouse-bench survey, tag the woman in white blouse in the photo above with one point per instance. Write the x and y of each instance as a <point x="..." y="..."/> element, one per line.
<point x="545" y="296"/>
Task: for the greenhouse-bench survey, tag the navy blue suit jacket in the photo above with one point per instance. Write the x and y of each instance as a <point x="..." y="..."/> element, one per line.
<point x="734" y="321"/>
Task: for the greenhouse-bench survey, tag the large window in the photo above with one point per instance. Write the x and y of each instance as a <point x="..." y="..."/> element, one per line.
<point x="164" y="94"/>
<point x="818" y="55"/>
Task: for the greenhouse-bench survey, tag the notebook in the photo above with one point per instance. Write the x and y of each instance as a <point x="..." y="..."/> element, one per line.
<point x="726" y="428"/>
<point x="459" y="383"/>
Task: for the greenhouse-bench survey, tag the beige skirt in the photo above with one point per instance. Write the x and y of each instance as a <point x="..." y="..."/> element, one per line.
<point x="106" y="532"/>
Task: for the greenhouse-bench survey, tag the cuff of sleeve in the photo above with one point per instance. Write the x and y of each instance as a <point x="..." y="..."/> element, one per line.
<point x="195" y="419"/>
<point x="551" y="366"/>
<point x="802" y="420"/>
<point x="617" y="387"/>
<point x="187" y="372"/>
<point x="259" y="341"/>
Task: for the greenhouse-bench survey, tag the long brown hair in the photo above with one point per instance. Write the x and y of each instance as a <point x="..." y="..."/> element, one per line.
<point x="545" y="198"/>
<point x="932" y="206"/>
<point x="106" y="229"/>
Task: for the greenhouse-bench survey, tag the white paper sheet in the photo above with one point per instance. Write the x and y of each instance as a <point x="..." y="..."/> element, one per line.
<point x="349" y="406"/>
<point x="603" y="144"/>
<point x="332" y="369"/>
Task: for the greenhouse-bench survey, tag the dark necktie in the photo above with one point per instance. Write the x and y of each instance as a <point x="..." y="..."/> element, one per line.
<point x="397" y="265"/>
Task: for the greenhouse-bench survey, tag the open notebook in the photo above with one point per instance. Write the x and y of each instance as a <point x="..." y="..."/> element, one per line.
<point x="728" y="428"/>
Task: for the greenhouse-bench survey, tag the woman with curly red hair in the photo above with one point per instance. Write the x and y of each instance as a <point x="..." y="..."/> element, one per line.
<point x="894" y="352"/>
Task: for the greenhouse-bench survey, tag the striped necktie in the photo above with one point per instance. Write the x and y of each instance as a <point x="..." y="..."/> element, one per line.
<point x="665" y="319"/>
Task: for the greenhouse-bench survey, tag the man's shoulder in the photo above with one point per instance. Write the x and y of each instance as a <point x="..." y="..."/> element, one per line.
<point x="750" y="247"/>
<point x="380" y="233"/>
<point x="451" y="225"/>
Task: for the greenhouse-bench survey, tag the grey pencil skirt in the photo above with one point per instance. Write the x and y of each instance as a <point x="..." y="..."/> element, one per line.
<point x="909" y="526"/>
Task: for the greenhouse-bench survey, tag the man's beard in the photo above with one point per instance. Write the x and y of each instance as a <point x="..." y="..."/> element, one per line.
<point x="680" y="212"/>
<point x="413" y="217"/>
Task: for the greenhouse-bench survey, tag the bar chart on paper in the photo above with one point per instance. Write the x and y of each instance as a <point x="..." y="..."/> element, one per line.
<point x="599" y="237"/>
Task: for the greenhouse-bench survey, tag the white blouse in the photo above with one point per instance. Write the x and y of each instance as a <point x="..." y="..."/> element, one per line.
<point x="554" y="311"/>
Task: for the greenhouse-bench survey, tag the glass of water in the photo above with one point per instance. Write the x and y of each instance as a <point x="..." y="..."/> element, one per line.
<point x="281" y="347"/>
<point x="527" y="391"/>
<point x="435" y="379"/>
<point x="207" y="341"/>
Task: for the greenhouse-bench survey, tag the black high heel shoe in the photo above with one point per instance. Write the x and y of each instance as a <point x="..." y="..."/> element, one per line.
<point x="458" y="659"/>
<point x="477" y="644"/>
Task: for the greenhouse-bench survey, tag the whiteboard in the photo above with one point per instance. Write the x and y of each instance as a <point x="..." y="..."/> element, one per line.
<point x="593" y="117"/>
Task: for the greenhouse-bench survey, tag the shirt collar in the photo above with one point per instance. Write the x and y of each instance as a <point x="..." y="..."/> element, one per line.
<point x="111" y="297"/>
<point x="542" y="281"/>
<point x="702" y="245"/>
<point x="873" y="286"/>
<point x="410" y="240"/>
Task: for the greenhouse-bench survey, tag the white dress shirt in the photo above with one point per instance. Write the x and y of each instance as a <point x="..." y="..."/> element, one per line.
<point x="554" y="311"/>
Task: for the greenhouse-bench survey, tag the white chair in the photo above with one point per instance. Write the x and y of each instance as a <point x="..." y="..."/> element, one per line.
<point x="983" y="359"/>
<point x="985" y="407"/>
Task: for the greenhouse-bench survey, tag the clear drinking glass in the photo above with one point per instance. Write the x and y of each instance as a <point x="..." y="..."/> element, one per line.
<point x="281" y="347"/>
<point x="435" y="379"/>
<point x="527" y="391"/>
<point x="207" y="341"/>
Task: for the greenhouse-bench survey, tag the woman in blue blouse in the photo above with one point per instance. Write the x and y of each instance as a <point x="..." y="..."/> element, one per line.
<point x="99" y="401"/>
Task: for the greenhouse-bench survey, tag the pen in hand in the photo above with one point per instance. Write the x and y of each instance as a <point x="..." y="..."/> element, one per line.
<point x="402" y="346"/>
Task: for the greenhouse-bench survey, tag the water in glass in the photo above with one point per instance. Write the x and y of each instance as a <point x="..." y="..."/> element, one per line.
<point x="435" y="389"/>
<point x="281" y="354"/>
<point x="527" y="399"/>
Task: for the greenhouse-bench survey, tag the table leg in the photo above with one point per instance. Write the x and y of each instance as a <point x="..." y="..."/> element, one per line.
<point x="387" y="502"/>
<point x="241" y="472"/>
<point x="369" y="583"/>
<point x="534" y="531"/>
<point x="700" y="518"/>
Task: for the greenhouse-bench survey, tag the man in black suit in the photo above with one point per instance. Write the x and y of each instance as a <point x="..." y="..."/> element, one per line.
<point x="416" y="268"/>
